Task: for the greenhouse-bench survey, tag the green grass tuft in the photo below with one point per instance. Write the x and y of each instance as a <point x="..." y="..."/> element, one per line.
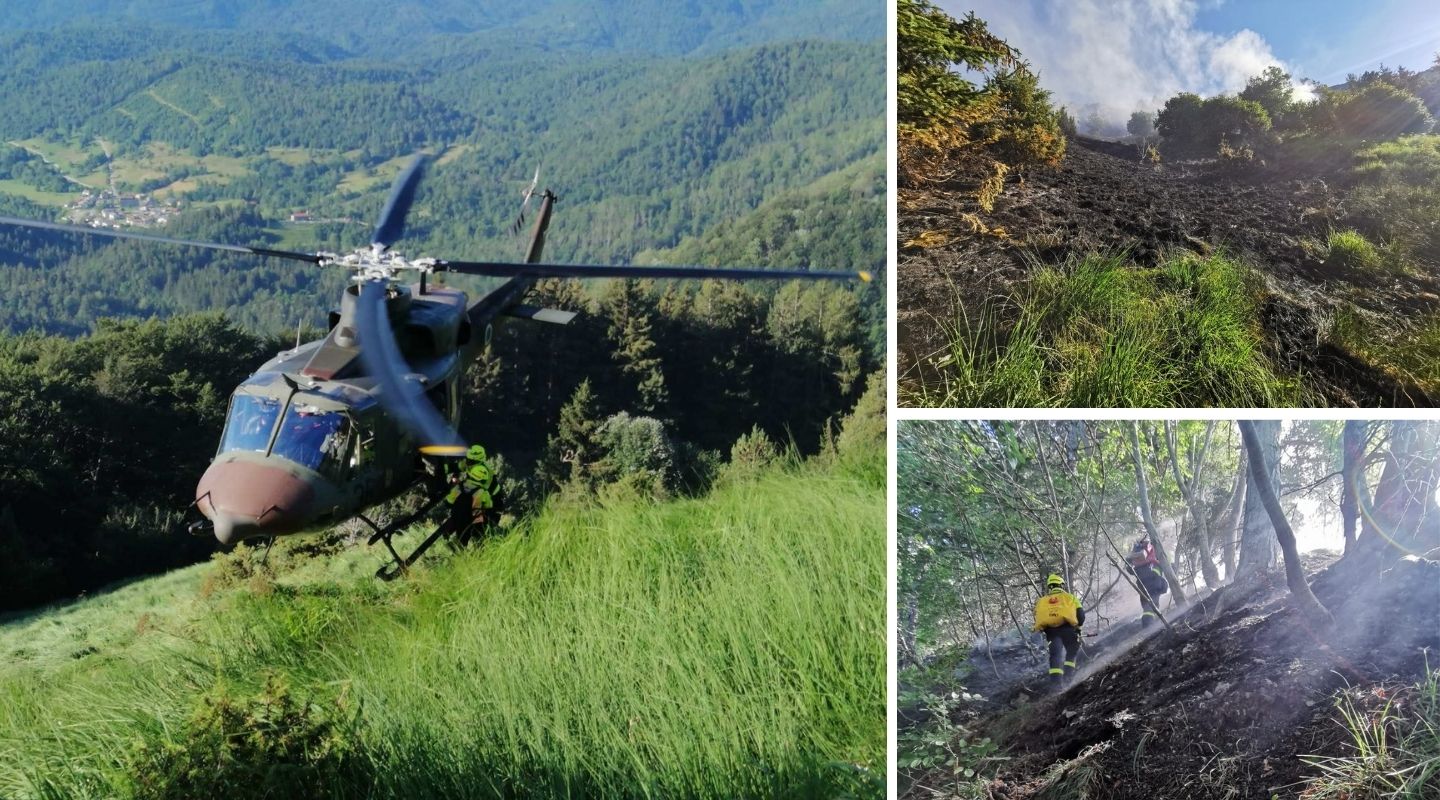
<point x="1101" y="332"/>
<point x="1348" y="250"/>
<point x="726" y="646"/>
<point x="1394" y="749"/>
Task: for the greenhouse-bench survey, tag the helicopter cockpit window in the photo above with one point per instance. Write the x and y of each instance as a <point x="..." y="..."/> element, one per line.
<point x="250" y="422"/>
<point x="314" y="438"/>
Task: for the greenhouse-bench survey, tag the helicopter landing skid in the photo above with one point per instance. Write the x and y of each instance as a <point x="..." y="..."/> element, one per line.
<point x="398" y="567"/>
<point x="384" y="535"/>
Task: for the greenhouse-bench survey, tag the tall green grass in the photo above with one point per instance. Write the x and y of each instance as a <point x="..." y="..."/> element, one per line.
<point x="1393" y="751"/>
<point x="1398" y="191"/>
<point x="1101" y="332"/>
<point x="726" y="646"/>
<point x="1407" y="350"/>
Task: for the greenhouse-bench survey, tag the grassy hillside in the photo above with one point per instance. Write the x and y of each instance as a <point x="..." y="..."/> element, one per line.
<point x="617" y="649"/>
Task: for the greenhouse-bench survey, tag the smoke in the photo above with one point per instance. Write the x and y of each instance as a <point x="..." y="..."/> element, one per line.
<point x="1108" y="58"/>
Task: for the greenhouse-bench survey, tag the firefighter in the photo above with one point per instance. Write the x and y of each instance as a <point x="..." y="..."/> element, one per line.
<point x="1059" y="616"/>
<point x="470" y="498"/>
<point x="1146" y="566"/>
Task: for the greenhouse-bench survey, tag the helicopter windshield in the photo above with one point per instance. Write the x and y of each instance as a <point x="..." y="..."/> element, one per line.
<point x="250" y="423"/>
<point x="313" y="438"/>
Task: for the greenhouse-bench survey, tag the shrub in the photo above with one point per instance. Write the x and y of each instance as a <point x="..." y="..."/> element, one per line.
<point x="1179" y="123"/>
<point x="1025" y="130"/>
<point x="1141" y="124"/>
<point x="1381" y="111"/>
<point x="943" y="755"/>
<point x="861" y="443"/>
<point x="638" y="450"/>
<point x="949" y="127"/>
<point x="1234" y="156"/>
<point x="1272" y="91"/>
<point x="270" y="745"/>
<point x="1066" y="121"/>
<point x="1236" y="119"/>
<point x="753" y="451"/>
<point x="1195" y="128"/>
<point x="929" y="43"/>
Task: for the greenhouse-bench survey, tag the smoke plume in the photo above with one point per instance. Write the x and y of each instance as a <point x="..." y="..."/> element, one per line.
<point x="1104" y="59"/>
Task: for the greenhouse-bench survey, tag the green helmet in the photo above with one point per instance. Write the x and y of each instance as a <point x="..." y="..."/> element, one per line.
<point x="475" y="453"/>
<point x="1054" y="580"/>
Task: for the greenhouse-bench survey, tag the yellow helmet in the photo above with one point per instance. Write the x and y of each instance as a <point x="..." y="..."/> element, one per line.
<point x="1054" y="580"/>
<point x="475" y="453"/>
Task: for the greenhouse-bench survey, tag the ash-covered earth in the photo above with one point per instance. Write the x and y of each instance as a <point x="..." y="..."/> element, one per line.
<point x="1221" y="705"/>
<point x="1103" y="197"/>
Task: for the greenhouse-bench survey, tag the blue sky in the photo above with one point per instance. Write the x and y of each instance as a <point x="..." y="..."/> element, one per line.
<point x="1325" y="39"/>
<point x="1118" y="56"/>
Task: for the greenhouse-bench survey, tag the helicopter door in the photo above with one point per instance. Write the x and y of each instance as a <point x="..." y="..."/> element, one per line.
<point x="444" y="399"/>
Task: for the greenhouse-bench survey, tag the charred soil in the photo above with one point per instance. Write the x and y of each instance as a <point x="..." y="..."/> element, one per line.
<point x="1223" y="704"/>
<point x="1103" y="198"/>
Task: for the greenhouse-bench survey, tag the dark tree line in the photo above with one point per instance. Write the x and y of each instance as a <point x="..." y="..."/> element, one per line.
<point x="103" y="437"/>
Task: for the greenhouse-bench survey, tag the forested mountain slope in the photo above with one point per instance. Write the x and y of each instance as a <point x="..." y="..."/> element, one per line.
<point x="648" y="26"/>
<point x="643" y="149"/>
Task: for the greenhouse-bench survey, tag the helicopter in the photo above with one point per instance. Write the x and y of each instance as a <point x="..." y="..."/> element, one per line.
<point x="322" y="432"/>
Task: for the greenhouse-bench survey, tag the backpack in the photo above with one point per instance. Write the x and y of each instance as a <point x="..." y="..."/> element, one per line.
<point x="1141" y="557"/>
<point x="1056" y="609"/>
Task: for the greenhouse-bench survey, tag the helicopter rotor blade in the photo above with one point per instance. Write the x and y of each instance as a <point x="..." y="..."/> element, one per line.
<point x="510" y="270"/>
<point x="146" y="237"/>
<point x="525" y="202"/>
<point x="392" y="218"/>
<point x="402" y="398"/>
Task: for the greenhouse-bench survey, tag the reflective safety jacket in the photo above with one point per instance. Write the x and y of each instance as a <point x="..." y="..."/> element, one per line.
<point x="475" y="483"/>
<point x="1152" y="577"/>
<point x="1146" y="566"/>
<point x="1057" y="608"/>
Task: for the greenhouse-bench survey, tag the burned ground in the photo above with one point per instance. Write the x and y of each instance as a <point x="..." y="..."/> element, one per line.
<point x="1223" y="704"/>
<point x="1103" y="198"/>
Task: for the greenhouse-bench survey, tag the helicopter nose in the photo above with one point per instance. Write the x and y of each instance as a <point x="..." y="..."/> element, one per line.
<point x="245" y="499"/>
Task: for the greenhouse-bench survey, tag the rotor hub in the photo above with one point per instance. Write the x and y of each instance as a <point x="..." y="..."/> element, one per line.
<point x="376" y="263"/>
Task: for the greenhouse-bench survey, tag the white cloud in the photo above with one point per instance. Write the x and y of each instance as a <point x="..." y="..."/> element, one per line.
<point x="1122" y="55"/>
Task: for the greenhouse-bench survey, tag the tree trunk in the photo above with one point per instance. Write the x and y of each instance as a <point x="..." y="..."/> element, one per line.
<point x="1229" y="527"/>
<point x="1204" y="544"/>
<point x="1352" y="474"/>
<point x="1177" y="591"/>
<point x="1261" y="470"/>
<point x="1404" y="508"/>
<point x="1257" y="533"/>
<point x="909" y="621"/>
